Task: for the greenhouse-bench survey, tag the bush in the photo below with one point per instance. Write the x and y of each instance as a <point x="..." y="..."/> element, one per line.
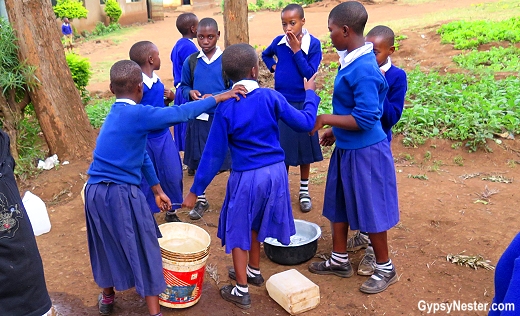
<point x="101" y="29"/>
<point x="113" y="10"/>
<point x="98" y="110"/>
<point x="72" y="9"/>
<point x="80" y="69"/>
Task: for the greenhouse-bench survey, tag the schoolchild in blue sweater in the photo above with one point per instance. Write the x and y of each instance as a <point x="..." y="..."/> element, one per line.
<point x="187" y="25"/>
<point x="382" y="37"/>
<point x="122" y="232"/>
<point x="200" y="81"/>
<point x="299" y="55"/>
<point x="257" y="203"/>
<point x="68" y="36"/>
<point x="361" y="186"/>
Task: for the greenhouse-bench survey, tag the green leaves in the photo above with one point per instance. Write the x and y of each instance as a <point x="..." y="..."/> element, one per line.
<point x="113" y="10"/>
<point x="493" y="60"/>
<point x="81" y="73"/>
<point x="72" y="9"/>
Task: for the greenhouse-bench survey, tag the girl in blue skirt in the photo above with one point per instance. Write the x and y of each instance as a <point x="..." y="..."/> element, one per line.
<point x="257" y="203"/>
<point x="122" y="233"/>
<point x="361" y="187"/>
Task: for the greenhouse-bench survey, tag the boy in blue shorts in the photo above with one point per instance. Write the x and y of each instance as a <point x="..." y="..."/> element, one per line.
<point x="298" y="56"/>
<point x="361" y="190"/>
<point x="382" y="37"/>
<point x="202" y="76"/>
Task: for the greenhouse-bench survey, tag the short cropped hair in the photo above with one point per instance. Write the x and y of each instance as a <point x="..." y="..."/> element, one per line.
<point x="185" y="21"/>
<point x="238" y="60"/>
<point x="124" y="76"/>
<point x="352" y="14"/>
<point x="140" y="51"/>
<point x="208" y="22"/>
<point x="383" y="32"/>
<point x="295" y="7"/>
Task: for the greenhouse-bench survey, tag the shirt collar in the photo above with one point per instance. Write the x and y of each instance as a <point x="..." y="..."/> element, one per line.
<point x="150" y="81"/>
<point x="250" y="85"/>
<point x="346" y="58"/>
<point x="306" y="41"/>
<point x="208" y="61"/>
<point x="387" y="65"/>
<point x="131" y="102"/>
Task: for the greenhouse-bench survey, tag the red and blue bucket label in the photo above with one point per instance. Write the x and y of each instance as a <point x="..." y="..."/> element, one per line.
<point x="182" y="287"/>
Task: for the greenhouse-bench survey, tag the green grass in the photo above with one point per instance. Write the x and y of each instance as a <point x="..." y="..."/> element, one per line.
<point x="496" y="59"/>
<point x="30" y="146"/>
<point x="97" y="111"/>
<point x="117" y="36"/>
<point x="101" y="71"/>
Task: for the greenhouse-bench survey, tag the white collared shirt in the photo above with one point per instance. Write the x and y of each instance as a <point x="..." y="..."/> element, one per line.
<point x="131" y="102"/>
<point x="346" y="58"/>
<point x="306" y="41"/>
<point x="386" y="66"/>
<point x="150" y="81"/>
<point x="249" y="84"/>
<point x="208" y="61"/>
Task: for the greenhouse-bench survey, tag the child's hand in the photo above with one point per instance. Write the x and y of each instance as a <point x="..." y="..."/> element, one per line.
<point x="207" y="95"/>
<point x="310" y="84"/>
<point x="169" y="95"/>
<point x="233" y="93"/>
<point x="195" y="95"/>
<point x="294" y="42"/>
<point x="274" y="67"/>
<point x="162" y="200"/>
<point x="327" y="138"/>
<point x="319" y="124"/>
<point x="189" y="200"/>
<point x="383" y="72"/>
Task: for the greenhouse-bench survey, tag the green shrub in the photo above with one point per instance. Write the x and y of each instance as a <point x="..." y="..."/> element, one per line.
<point x="72" y="9"/>
<point x="98" y="110"/>
<point x="102" y="29"/>
<point x="31" y="146"/>
<point x="80" y="69"/>
<point x="113" y="10"/>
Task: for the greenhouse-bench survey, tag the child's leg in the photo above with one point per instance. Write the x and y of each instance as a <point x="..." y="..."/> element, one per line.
<point x="240" y="265"/>
<point x="253" y="274"/>
<point x="106" y="301"/>
<point x="239" y="294"/>
<point x="384" y="273"/>
<point x="338" y="264"/>
<point x="380" y="244"/>
<point x="152" y="302"/>
<point x="305" y="198"/>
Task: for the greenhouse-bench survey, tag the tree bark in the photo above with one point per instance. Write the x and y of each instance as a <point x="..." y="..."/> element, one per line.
<point x="11" y="119"/>
<point x="236" y="28"/>
<point x="56" y="100"/>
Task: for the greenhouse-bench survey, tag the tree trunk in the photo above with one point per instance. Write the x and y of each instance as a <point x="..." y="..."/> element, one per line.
<point x="236" y="28"/>
<point x="56" y="100"/>
<point x="10" y="122"/>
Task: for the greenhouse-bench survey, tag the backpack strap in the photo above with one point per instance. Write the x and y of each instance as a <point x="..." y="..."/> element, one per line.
<point x="192" y="61"/>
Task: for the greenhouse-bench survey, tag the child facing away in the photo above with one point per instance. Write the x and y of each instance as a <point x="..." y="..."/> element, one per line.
<point x="361" y="188"/>
<point x="122" y="232"/>
<point x="299" y="55"/>
<point x="202" y="76"/>
<point x="160" y="145"/>
<point x="187" y="25"/>
<point x="382" y="37"/>
<point x="66" y="30"/>
<point x="257" y="203"/>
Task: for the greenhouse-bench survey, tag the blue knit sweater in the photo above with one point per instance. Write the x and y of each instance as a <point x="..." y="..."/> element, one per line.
<point x="182" y="49"/>
<point x="120" y="154"/>
<point x="360" y="89"/>
<point x="154" y="97"/>
<point x="250" y="128"/>
<point x="291" y="68"/>
<point x="394" y="101"/>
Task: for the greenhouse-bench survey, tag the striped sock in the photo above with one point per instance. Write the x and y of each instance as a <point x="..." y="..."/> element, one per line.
<point x="304" y="190"/>
<point x="252" y="272"/>
<point x="108" y="299"/>
<point x="385" y="267"/>
<point x="202" y="198"/>
<point x="337" y="259"/>
<point x="240" y="290"/>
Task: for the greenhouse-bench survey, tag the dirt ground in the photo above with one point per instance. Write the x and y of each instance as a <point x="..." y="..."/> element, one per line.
<point x="447" y="213"/>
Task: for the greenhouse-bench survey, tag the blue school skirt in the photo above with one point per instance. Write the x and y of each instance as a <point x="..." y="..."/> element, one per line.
<point x="179" y="130"/>
<point x="196" y="137"/>
<point x="256" y="200"/>
<point x="299" y="148"/>
<point x="122" y="239"/>
<point x="361" y="188"/>
<point x="168" y="167"/>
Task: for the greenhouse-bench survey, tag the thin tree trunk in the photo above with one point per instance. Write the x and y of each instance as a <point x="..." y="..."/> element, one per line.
<point x="10" y="122"/>
<point x="236" y="28"/>
<point x="56" y="101"/>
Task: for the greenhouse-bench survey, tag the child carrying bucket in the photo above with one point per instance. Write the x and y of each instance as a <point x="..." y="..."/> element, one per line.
<point x="257" y="203"/>
<point x="122" y="232"/>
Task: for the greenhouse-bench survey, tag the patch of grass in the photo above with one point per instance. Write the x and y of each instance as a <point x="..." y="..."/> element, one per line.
<point x="495" y="59"/>
<point x="427" y="155"/>
<point x="101" y="71"/>
<point x="458" y="160"/>
<point x="117" y="35"/>
<point x="325" y="92"/>
<point x="418" y="176"/>
<point x="436" y="166"/>
<point x="397" y="41"/>
<point x="97" y="111"/>
<point x="259" y="5"/>
<point x="31" y="147"/>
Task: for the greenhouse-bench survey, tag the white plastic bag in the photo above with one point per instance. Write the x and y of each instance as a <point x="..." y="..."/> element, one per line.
<point x="37" y="212"/>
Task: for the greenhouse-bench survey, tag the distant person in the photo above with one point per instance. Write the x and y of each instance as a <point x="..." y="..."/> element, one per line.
<point x="23" y="290"/>
<point x="202" y="76"/>
<point x="258" y="202"/>
<point x="187" y="25"/>
<point x="361" y="189"/>
<point x="122" y="232"/>
<point x="298" y="56"/>
<point x="160" y="144"/>
<point x="68" y="36"/>
<point x="382" y="37"/>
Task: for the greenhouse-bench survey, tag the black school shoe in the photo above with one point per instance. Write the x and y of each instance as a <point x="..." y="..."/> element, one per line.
<point x="344" y="270"/>
<point x="382" y="281"/>
<point x="104" y="309"/>
<point x="305" y="203"/>
<point x="198" y="211"/>
<point x="171" y="217"/>
<point x="243" y="301"/>
<point x="257" y="280"/>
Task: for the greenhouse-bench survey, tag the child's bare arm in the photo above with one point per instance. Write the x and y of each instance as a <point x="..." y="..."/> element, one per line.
<point x="161" y="199"/>
<point x="268" y="56"/>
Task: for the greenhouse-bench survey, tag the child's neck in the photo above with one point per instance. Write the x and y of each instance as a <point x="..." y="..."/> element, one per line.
<point x="357" y="42"/>
<point x="148" y="70"/>
<point x="211" y="52"/>
<point x="188" y="36"/>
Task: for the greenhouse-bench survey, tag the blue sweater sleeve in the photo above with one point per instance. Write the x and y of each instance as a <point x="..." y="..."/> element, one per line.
<point x="300" y="121"/>
<point x="366" y="111"/>
<point x="149" y="171"/>
<point x="269" y="53"/>
<point x="213" y="155"/>
<point x="308" y="68"/>
<point x="394" y="102"/>
<point x="186" y="80"/>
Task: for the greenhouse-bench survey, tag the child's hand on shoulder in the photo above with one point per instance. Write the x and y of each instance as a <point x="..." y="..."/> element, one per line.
<point x="310" y="84"/>
<point x="189" y="200"/>
<point x="233" y="93"/>
<point x="195" y="95"/>
<point x="294" y="41"/>
<point x="169" y="95"/>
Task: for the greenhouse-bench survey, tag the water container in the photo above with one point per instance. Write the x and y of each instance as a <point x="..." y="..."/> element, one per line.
<point x="37" y="212"/>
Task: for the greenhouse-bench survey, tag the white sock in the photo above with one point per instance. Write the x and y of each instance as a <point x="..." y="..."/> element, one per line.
<point x="240" y="290"/>
<point x="202" y="198"/>
<point x="337" y="259"/>
<point x="304" y="188"/>
<point x="252" y="272"/>
<point x="385" y="267"/>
